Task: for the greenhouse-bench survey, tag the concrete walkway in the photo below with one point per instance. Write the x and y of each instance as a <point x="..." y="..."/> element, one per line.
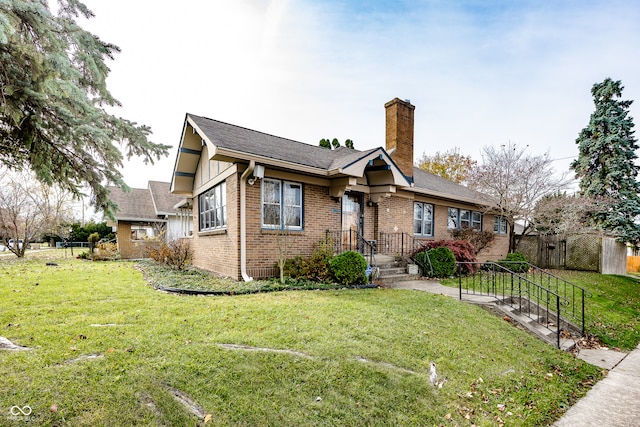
<point x="614" y="401"/>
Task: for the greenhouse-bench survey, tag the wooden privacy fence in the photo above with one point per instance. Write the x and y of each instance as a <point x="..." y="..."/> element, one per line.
<point x="585" y="252"/>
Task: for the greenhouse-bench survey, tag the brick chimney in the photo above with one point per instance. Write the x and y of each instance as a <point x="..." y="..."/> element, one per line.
<point x="399" y="134"/>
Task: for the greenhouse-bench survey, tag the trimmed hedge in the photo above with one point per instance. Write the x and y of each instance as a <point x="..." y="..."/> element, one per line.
<point x="443" y="262"/>
<point x="349" y="268"/>
<point x="515" y="262"/>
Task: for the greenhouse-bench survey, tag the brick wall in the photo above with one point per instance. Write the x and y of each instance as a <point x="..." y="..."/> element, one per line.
<point x="219" y="251"/>
<point x="395" y="215"/>
<point x="320" y="212"/>
<point x="132" y="249"/>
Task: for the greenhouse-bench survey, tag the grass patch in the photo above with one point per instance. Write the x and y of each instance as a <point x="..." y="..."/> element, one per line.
<point x="348" y="357"/>
<point x="612" y="311"/>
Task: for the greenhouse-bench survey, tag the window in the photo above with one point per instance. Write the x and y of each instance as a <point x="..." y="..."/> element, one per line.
<point x="476" y="220"/>
<point x="281" y="204"/>
<point x="452" y="218"/>
<point x="463" y="218"/>
<point x="423" y="219"/>
<point x="500" y="225"/>
<point x="213" y="208"/>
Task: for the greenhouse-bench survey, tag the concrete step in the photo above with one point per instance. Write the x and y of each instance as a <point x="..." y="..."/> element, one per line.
<point x="399" y="278"/>
<point x="391" y="271"/>
<point x="530" y="325"/>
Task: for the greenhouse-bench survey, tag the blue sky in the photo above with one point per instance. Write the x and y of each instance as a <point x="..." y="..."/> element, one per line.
<point x="480" y="73"/>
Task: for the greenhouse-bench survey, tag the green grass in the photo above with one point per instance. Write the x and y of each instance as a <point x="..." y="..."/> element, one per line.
<point x="364" y="353"/>
<point x="613" y="310"/>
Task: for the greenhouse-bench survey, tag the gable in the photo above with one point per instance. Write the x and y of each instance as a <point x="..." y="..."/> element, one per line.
<point x="204" y="140"/>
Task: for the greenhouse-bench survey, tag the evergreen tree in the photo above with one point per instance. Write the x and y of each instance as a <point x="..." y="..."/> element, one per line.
<point x="335" y="144"/>
<point x="53" y="100"/>
<point x="606" y="163"/>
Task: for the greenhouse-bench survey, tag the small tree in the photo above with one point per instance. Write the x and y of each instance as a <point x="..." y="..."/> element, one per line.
<point x="93" y="239"/>
<point x="514" y="181"/>
<point x="29" y="209"/>
<point x="606" y="164"/>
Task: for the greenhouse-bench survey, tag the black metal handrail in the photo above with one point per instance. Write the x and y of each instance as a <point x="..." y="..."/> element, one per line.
<point x="540" y="304"/>
<point x="398" y="243"/>
<point x="351" y="240"/>
<point x="404" y="245"/>
<point x="574" y="294"/>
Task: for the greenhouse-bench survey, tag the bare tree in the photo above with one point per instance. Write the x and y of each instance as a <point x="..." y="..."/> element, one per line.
<point x="563" y="214"/>
<point x="514" y="181"/>
<point x="29" y="208"/>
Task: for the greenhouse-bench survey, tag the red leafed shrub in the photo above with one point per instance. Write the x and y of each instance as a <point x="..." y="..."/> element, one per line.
<point x="462" y="250"/>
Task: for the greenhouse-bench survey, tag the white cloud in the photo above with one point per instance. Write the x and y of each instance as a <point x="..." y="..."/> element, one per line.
<point x="479" y="73"/>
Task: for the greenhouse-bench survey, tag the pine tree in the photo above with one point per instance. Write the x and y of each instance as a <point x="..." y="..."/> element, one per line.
<point x="606" y="163"/>
<point x="53" y="100"/>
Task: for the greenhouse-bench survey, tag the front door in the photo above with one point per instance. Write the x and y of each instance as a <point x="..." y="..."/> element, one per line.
<point x="352" y="220"/>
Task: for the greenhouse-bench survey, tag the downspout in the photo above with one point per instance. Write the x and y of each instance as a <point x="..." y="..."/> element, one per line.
<point x="243" y="221"/>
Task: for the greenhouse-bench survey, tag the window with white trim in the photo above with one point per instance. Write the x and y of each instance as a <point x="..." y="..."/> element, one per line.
<point x="281" y="204"/>
<point x="463" y="218"/>
<point x="213" y="208"/>
<point x="423" y="219"/>
<point x="500" y="225"/>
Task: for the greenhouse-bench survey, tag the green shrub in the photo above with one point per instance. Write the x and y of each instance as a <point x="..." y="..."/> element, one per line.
<point x="443" y="262"/>
<point x="349" y="268"/>
<point x="422" y="260"/>
<point x="515" y="262"/>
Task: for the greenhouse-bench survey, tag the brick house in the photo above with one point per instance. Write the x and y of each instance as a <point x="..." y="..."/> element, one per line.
<point x="145" y="215"/>
<point x="248" y="189"/>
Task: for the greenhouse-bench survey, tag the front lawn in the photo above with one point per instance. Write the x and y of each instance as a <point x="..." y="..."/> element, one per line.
<point x="109" y="349"/>
<point x="613" y="310"/>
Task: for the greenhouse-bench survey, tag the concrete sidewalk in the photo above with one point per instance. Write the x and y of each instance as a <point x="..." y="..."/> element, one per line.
<point x="614" y="401"/>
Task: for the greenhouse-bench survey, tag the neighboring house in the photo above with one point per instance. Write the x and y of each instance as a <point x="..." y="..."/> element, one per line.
<point x="251" y="189"/>
<point x="145" y="215"/>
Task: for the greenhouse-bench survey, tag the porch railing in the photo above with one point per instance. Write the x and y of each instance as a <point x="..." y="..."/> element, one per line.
<point x="399" y="244"/>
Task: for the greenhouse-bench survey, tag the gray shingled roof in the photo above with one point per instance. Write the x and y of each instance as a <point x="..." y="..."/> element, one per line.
<point x="164" y="201"/>
<point x="427" y="181"/>
<point x="243" y="140"/>
<point x="134" y="205"/>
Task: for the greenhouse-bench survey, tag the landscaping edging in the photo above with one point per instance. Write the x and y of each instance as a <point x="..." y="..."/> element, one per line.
<point x="255" y="291"/>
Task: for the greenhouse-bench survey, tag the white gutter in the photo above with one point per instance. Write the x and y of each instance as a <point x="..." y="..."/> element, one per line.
<point x="243" y="221"/>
